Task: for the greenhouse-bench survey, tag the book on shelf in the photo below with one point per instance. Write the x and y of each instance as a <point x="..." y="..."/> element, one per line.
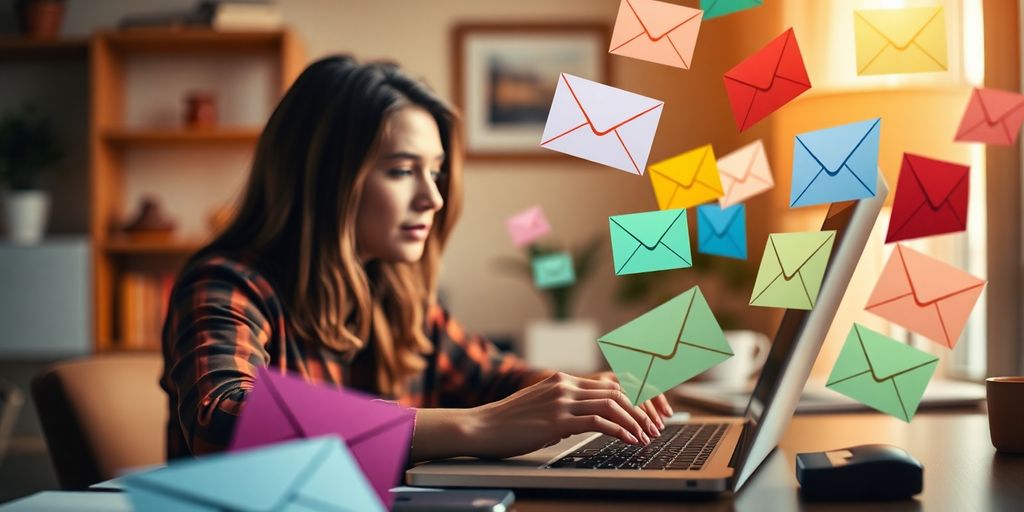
<point x="225" y="15"/>
<point x="144" y="298"/>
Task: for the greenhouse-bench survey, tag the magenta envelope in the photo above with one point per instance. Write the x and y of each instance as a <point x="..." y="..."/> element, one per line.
<point x="284" y="407"/>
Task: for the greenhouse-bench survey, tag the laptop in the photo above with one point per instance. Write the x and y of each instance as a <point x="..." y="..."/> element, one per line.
<point x="705" y="454"/>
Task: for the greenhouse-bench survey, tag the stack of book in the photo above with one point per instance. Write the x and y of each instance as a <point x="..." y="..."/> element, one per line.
<point x="144" y="298"/>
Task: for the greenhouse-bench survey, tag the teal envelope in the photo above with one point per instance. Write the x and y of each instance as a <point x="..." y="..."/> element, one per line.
<point x="716" y="8"/>
<point x="836" y="164"/>
<point x="665" y="346"/>
<point x="882" y="373"/>
<point x="553" y="270"/>
<point x="307" y="474"/>
<point x="722" y="232"/>
<point x="650" y="241"/>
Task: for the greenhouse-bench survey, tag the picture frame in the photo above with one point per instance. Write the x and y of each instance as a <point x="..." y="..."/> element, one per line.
<point x="504" y="77"/>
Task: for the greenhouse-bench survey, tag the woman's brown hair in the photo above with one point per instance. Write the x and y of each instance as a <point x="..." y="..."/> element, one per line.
<point x="297" y="215"/>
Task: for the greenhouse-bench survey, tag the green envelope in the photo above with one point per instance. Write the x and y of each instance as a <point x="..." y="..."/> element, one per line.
<point x="716" y="8"/>
<point x="792" y="269"/>
<point x="882" y="373"/>
<point x="650" y="241"/>
<point x="553" y="270"/>
<point x="665" y="346"/>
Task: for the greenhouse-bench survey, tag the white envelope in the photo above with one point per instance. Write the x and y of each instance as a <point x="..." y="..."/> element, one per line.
<point x="602" y="124"/>
<point x="745" y="173"/>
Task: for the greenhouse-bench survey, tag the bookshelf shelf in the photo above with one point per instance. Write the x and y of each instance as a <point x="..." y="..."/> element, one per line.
<point x="131" y="137"/>
<point x="153" y="247"/>
<point x="23" y="48"/>
<point x="192" y="40"/>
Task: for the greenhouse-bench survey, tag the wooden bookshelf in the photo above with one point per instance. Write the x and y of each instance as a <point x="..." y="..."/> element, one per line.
<point x="129" y="247"/>
<point x="124" y="137"/>
<point x="14" y="48"/>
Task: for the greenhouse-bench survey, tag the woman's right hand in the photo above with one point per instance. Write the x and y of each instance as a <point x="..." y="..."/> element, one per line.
<point x="553" y="409"/>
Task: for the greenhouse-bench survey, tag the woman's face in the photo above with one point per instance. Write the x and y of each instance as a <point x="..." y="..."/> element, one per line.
<point x="400" y="194"/>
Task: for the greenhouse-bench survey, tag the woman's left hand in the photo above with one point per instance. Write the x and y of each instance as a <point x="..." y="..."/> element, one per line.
<point x="656" y="408"/>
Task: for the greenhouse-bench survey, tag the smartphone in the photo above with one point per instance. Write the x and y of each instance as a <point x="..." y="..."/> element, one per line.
<point x="454" y="500"/>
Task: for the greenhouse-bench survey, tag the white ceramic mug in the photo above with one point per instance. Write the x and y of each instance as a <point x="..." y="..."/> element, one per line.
<point x="750" y="349"/>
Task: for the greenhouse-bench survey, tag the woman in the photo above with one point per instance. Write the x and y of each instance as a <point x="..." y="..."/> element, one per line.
<point x="329" y="270"/>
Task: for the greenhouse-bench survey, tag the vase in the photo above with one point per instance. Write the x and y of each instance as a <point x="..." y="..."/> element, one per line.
<point x="568" y="346"/>
<point x="25" y="215"/>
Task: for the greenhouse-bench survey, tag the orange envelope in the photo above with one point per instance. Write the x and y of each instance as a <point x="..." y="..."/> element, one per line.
<point x="657" y="32"/>
<point x="924" y="295"/>
<point x="745" y="173"/>
<point x="992" y="116"/>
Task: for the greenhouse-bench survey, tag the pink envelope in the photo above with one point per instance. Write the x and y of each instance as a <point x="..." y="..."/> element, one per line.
<point x="527" y="226"/>
<point x="284" y="407"/>
<point x="992" y="116"/>
<point x="745" y="173"/>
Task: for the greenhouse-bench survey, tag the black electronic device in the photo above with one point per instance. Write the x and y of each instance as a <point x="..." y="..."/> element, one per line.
<point x="866" y="472"/>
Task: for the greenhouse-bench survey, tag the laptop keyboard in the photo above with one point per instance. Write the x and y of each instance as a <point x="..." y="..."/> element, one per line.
<point x="685" y="447"/>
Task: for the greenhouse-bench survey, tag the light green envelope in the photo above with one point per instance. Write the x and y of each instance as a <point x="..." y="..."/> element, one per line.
<point x="792" y="269"/>
<point x="553" y="270"/>
<point x="650" y="241"/>
<point x="882" y="373"/>
<point x="665" y="346"/>
<point x="716" y="8"/>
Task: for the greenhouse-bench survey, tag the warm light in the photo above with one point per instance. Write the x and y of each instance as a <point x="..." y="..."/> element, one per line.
<point x="974" y="42"/>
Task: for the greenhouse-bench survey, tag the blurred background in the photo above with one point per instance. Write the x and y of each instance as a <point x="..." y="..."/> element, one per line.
<point x="144" y="114"/>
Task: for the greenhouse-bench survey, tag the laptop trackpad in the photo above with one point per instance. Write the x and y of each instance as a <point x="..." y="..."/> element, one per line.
<point x="529" y="460"/>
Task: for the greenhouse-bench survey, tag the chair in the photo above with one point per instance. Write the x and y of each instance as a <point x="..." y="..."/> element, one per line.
<point x="10" y="405"/>
<point x="102" y="415"/>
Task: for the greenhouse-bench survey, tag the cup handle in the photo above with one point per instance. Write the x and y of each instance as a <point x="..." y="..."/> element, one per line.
<point x="763" y="348"/>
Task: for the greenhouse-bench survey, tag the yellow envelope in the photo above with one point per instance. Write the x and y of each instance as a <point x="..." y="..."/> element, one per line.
<point x="900" y="40"/>
<point x="686" y="180"/>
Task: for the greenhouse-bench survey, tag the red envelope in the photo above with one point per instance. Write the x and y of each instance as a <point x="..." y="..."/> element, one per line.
<point x="931" y="199"/>
<point x="992" y="116"/>
<point x="766" y="80"/>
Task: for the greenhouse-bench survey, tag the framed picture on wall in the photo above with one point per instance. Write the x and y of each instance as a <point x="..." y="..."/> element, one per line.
<point x="504" y="77"/>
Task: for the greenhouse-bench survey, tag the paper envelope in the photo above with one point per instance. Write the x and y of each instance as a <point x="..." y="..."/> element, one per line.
<point x="993" y="117"/>
<point x="882" y="373"/>
<point x="665" y="346"/>
<point x="284" y="407"/>
<point x="931" y="199"/>
<point x="766" y="80"/>
<point x="836" y="164"/>
<point x="650" y="241"/>
<point x="527" y="226"/>
<point x="792" y="269"/>
<point x="925" y="295"/>
<point x="716" y="8"/>
<point x="722" y="232"/>
<point x="686" y="180"/>
<point x="553" y="270"/>
<point x="657" y="32"/>
<point x="745" y="173"/>
<point x="900" y="40"/>
<point x="308" y="474"/>
<point x="602" y="124"/>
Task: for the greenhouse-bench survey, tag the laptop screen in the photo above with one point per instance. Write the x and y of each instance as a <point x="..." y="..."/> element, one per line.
<point x="801" y="334"/>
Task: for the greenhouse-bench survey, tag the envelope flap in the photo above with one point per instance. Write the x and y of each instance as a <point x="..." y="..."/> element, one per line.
<point x="720" y="219"/>
<point x="683" y="169"/>
<point x="657" y="331"/>
<point x="660" y="18"/>
<point x="759" y="69"/>
<point x="997" y="104"/>
<point x="338" y="477"/>
<point x="606" y="108"/>
<point x="271" y="473"/>
<point x="900" y="26"/>
<point x="740" y="163"/>
<point x="936" y="177"/>
<point x="648" y="227"/>
<point x="888" y="357"/>
<point x="832" y="147"/>
<point x="931" y="279"/>
<point x="795" y="249"/>
<point x="701" y="328"/>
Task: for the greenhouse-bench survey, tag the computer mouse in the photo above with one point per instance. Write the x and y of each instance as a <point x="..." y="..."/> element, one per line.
<point x="865" y="472"/>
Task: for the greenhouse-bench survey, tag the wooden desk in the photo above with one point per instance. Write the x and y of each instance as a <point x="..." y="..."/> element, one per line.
<point x="962" y="471"/>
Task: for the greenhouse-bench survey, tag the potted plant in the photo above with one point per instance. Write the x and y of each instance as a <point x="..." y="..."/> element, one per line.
<point x="29" y="148"/>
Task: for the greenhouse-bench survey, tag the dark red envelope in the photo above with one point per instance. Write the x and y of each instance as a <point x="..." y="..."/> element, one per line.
<point x="766" y="80"/>
<point x="931" y="199"/>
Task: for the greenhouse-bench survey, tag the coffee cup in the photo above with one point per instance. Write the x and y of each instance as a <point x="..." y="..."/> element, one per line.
<point x="1005" y="397"/>
<point x="750" y="351"/>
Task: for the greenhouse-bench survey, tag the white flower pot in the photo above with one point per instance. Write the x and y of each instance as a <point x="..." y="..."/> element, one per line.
<point x="25" y="215"/>
<point x="568" y="346"/>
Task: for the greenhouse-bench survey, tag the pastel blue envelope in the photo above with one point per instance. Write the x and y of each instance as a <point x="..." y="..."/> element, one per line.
<point x="307" y="474"/>
<point x="836" y="164"/>
<point x="722" y="232"/>
<point x="553" y="270"/>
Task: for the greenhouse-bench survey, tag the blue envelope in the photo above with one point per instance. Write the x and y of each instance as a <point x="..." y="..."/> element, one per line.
<point x="836" y="164"/>
<point x="722" y="232"/>
<point x="307" y="474"/>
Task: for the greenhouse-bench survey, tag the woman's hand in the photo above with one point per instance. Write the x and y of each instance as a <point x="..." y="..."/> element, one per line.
<point x="655" y="408"/>
<point x="553" y="409"/>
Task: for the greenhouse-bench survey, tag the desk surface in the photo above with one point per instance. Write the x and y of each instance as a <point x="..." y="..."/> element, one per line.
<point x="962" y="471"/>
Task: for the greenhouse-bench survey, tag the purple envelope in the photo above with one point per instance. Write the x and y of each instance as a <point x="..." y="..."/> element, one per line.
<point x="284" y="407"/>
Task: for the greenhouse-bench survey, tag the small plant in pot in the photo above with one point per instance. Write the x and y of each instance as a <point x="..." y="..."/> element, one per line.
<point x="29" y="149"/>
